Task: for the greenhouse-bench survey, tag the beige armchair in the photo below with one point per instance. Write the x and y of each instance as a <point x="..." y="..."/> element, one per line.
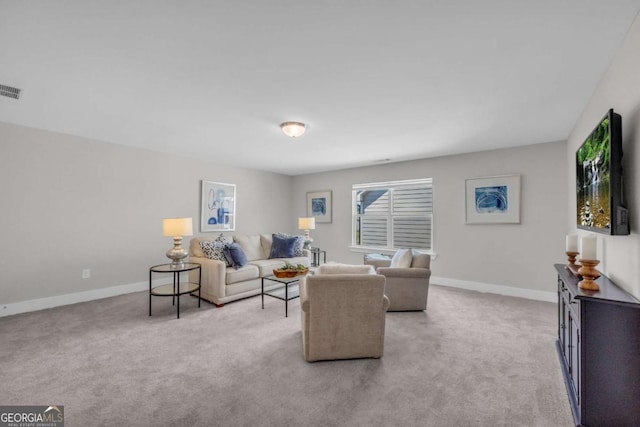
<point x="408" y="287"/>
<point x="343" y="315"/>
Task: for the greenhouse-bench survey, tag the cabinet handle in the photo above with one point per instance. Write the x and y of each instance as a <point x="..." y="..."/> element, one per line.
<point x="573" y="302"/>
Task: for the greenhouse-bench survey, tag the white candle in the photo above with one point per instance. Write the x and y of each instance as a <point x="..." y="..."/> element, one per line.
<point x="588" y="248"/>
<point x="572" y="243"/>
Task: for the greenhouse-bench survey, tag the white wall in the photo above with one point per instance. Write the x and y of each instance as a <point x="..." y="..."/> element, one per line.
<point x="620" y="90"/>
<point x="511" y="255"/>
<point x="69" y="203"/>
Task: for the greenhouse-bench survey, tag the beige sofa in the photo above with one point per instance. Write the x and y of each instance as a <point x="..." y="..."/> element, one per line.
<point x="343" y="313"/>
<point x="222" y="284"/>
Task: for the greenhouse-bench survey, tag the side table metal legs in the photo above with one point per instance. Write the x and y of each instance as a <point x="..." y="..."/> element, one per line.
<point x="175" y="289"/>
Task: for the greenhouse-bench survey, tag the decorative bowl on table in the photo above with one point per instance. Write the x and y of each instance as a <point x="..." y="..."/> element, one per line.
<point x="281" y="274"/>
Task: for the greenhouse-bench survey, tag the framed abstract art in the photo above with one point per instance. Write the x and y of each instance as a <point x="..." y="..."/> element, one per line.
<point x="217" y="206"/>
<point x="493" y="200"/>
<point x="319" y="206"/>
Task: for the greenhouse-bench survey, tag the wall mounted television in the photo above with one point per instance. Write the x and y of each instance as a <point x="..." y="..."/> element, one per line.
<point x="599" y="180"/>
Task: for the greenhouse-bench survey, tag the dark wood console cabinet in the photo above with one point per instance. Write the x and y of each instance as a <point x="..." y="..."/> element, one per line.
<point x="599" y="349"/>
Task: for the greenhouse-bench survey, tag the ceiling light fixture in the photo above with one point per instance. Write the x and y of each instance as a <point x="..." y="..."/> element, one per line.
<point x="293" y="129"/>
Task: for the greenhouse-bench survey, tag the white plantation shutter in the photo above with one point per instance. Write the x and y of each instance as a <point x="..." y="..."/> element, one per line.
<point x="374" y="231"/>
<point x="392" y="215"/>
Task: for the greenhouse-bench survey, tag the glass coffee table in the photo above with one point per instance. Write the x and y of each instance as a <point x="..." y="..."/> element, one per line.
<point x="289" y="291"/>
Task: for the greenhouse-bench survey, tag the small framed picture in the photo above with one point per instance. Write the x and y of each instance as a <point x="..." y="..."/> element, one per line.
<point x="319" y="206"/>
<point x="217" y="207"/>
<point x="493" y="200"/>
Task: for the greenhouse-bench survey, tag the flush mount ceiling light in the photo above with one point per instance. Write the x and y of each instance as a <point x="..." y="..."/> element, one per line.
<point x="293" y="129"/>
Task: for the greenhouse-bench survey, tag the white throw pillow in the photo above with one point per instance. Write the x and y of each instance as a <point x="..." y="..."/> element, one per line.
<point x="401" y="259"/>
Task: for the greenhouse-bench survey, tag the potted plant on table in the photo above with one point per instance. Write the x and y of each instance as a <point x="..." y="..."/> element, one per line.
<point x="290" y="270"/>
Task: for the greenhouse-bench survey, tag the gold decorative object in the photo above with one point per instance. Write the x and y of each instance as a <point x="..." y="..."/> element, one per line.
<point x="588" y="273"/>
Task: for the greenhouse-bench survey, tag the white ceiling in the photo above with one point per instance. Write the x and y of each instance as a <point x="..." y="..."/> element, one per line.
<point x="374" y="80"/>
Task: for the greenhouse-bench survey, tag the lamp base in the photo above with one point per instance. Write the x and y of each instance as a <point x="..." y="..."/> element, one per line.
<point x="177" y="254"/>
<point x="307" y="240"/>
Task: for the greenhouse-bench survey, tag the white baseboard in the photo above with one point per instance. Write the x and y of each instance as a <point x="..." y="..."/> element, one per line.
<point x="66" y="299"/>
<point x="56" y="301"/>
<point x="496" y="289"/>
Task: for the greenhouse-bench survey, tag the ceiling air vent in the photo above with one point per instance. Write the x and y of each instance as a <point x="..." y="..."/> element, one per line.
<point x="10" y="92"/>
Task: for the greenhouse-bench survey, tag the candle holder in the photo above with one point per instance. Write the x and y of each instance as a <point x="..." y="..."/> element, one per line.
<point x="572" y="266"/>
<point x="588" y="273"/>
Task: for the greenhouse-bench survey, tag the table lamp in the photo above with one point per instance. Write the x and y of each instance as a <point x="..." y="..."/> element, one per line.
<point x="176" y="228"/>
<point x="307" y="224"/>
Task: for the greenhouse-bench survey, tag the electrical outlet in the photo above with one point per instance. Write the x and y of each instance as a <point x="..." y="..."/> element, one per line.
<point x="86" y="273"/>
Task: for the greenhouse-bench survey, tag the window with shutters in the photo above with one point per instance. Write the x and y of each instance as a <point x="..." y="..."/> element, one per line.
<point x="393" y="215"/>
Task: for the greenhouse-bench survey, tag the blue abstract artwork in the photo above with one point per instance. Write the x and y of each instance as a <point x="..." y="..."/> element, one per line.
<point x="319" y="206"/>
<point x="491" y="199"/>
<point x="217" y="210"/>
<point x="218" y="204"/>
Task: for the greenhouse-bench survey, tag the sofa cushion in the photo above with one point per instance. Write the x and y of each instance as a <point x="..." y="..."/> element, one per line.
<point x="251" y="246"/>
<point x="247" y="272"/>
<point x="420" y="260"/>
<point x="214" y="249"/>
<point x="266" y="240"/>
<point x="266" y="266"/>
<point x="401" y="259"/>
<point x="282" y="247"/>
<point x="235" y="255"/>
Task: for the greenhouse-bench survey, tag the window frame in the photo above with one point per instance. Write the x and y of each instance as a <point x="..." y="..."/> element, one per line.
<point x="391" y="186"/>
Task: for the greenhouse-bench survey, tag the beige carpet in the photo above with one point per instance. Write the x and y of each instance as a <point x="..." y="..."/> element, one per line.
<point x="472" y="359"/>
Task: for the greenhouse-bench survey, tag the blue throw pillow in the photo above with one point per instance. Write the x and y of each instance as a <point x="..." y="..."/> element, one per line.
<point x="235" y="255"/>
<point x="283" y="247"/>
<point x="297" y="249"/>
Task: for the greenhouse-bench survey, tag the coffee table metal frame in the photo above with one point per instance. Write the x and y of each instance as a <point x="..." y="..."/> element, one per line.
<point x="289" y="291"/>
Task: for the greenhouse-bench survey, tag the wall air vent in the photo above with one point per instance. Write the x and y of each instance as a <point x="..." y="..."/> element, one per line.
<point x="10" y="92"/>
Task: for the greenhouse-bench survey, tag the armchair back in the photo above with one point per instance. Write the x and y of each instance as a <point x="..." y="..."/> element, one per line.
<point x="343" y="316"/>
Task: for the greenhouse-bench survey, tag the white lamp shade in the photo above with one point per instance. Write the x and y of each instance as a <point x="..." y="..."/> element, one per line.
<point x="293" y="129"/>
<point x="307" y="223"/>
<point x="174" y="227"/>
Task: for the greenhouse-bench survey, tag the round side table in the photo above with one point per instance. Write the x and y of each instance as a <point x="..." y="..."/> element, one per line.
<point x="176" y="288"/>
